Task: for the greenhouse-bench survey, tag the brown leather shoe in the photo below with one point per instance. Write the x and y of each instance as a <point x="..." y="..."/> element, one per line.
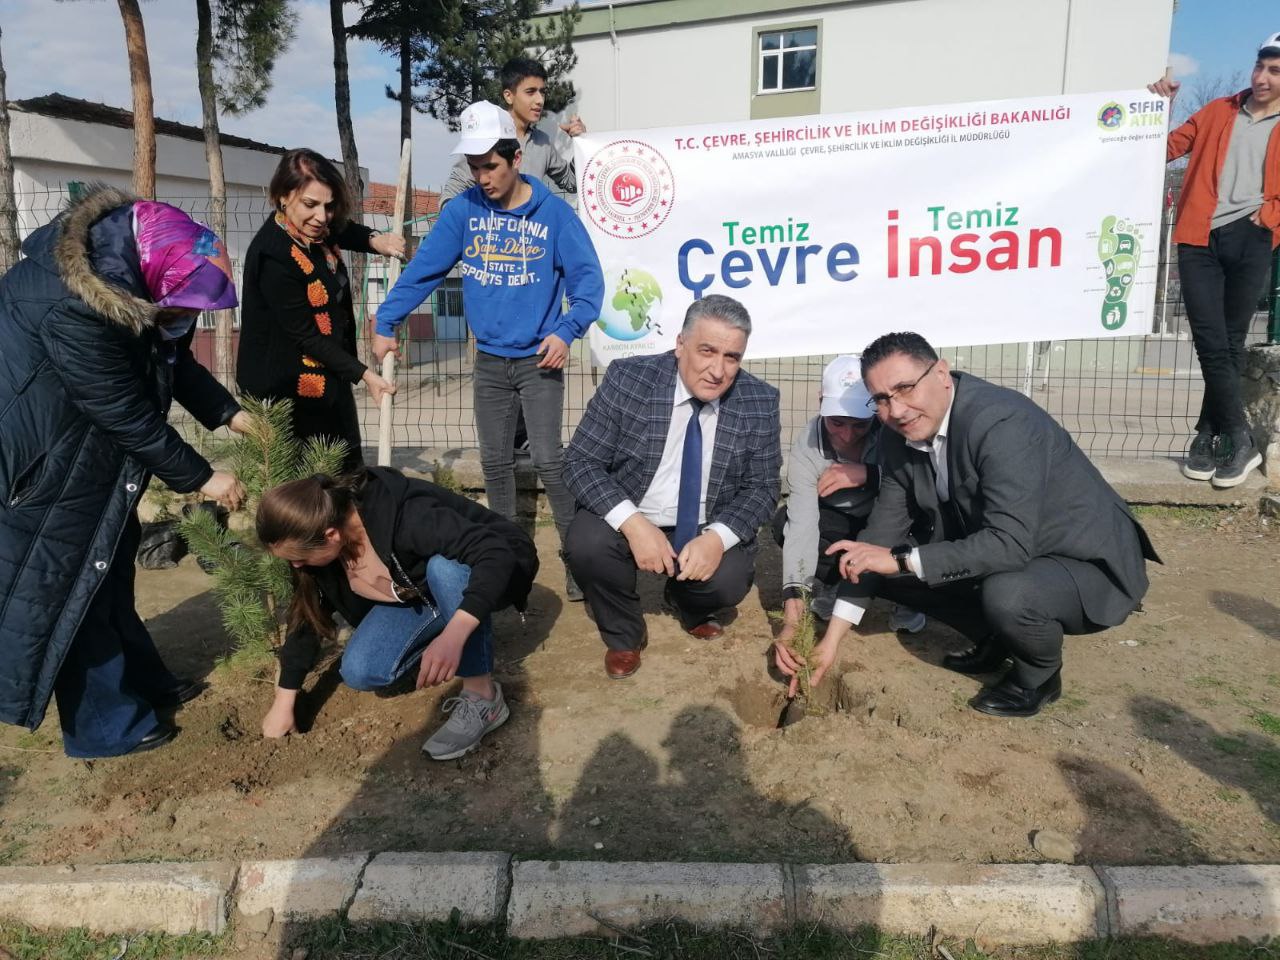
<point x="620" y="664"/>
<point x="707" y="630"/>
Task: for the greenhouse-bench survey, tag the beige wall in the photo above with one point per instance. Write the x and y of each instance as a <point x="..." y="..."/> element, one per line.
<point x="876" y="55"/>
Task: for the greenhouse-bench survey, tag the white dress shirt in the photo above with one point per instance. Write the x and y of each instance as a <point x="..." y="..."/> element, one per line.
<point x="661" y="501"/>
<point x="852" y="609"/>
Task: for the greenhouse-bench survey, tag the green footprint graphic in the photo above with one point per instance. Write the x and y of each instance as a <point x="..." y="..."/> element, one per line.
<point x="1118" y="250"/>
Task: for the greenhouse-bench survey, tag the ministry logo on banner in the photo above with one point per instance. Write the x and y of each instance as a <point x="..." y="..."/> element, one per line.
<point x="627" y="189"/>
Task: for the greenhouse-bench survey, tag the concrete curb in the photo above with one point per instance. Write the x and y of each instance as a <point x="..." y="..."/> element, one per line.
<point x="562" y="898"/>
<point x="1012" y="904"/>
<point x="1008" y="904"/>
<point x="428" y="886"/>
<point x="161" y="897"/>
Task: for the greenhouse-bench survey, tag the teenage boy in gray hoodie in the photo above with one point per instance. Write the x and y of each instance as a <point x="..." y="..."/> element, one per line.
<point x="524" y="90"/>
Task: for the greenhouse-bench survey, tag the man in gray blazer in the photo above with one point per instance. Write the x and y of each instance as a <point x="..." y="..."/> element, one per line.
<point x="1028" y="542"/>
<point x="675" y="467"/>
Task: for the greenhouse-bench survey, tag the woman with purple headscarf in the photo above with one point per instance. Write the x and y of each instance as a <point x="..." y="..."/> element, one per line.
<point x="96" y="328"/>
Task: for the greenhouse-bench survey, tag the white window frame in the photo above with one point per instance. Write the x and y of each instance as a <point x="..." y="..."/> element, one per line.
<point x="450" y="289"/>
<point x="761" y="54"/>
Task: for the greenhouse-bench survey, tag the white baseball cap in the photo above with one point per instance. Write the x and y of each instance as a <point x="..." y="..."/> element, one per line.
<point x="843" y="393"/>
<point x="1270" y="46"/>
<point x="483" y="124"/>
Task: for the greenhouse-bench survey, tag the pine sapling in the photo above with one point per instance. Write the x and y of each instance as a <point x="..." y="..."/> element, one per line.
<point x="252" y="587"/>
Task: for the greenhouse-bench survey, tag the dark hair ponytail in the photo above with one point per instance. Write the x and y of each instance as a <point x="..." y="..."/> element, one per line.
<point x="300" y="512"/>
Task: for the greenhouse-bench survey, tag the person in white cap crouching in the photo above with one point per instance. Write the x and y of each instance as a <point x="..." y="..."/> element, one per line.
<point x="833" y="476"/>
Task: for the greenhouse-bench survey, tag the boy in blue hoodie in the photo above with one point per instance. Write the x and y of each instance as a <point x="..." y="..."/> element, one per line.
<point x="523" y="252"/>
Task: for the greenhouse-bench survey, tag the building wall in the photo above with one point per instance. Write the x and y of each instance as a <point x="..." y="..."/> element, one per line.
<point x="50" y="153"/>
<point x="665" y="71"/>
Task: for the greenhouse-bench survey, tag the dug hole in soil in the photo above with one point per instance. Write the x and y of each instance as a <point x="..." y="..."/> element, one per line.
<point x="1165" y="747"/>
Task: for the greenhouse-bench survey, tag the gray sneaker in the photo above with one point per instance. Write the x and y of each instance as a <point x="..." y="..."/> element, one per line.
<point x="572" y="592"/>
<point x="906" y="620"/>
<point x="470" y="718"/>
<point x="1200" y="462"/>
<point x="1237" y="456"/>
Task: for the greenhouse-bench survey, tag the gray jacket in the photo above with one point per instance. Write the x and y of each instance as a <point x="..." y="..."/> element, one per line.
<point x="539" y="157"/>
<point x="810" y="456"/>
<point x="1020" y="489"/>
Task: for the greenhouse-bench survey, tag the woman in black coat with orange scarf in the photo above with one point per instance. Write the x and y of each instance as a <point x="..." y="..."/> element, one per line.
<point x="297" y="322"/>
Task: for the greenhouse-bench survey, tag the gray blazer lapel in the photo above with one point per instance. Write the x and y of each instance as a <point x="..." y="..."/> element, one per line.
<point x="955" y="433"/>
<point x="926" y="481"/>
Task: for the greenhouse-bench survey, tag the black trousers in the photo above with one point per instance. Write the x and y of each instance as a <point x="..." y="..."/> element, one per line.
<point x="1221" y="285"/>
<point x="600" y="559"/>
<point x="1026" y="611"/>
<point x="337" y="419"/>
<point x="834" y="525"/>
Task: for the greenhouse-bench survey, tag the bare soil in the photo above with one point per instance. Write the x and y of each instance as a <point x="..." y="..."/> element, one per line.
<point x="1164" y="749"/>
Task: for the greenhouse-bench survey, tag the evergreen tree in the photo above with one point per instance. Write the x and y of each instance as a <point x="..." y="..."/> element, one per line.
<point x="253" y="588"/>
<point x="401" y="28"/>
<point x="459" y="63"/>
<point x="250" y="35"/>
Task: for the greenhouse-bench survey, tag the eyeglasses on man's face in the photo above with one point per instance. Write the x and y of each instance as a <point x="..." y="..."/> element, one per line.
<point x="903" y="391"/>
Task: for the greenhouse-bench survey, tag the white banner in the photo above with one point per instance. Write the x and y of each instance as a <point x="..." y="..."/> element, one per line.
<point x="992" y="222"/>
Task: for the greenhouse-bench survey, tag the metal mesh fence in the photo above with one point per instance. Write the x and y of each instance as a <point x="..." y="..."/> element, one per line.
<point x="1135" y="396"/>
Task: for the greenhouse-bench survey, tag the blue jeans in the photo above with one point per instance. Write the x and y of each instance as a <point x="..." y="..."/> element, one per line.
<point x="391" y="638"/>
<point x="112" y="670"/>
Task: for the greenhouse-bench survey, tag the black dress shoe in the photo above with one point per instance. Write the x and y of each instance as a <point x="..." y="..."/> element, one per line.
<point x="1007" y="699"/>
<point x="156" y="738"/>
<point x="184" y="691"/>
<point x="986" y="656"/>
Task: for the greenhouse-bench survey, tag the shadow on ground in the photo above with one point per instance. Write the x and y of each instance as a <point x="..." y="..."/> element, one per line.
<point x="1240" y="760"/>
<point x="1251" y="611"/>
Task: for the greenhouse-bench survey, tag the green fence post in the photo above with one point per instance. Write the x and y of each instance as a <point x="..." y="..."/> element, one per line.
<point x="1273" y="327"/>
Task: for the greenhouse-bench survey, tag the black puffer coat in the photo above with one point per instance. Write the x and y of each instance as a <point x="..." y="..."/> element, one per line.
<point x="85" y="385"/>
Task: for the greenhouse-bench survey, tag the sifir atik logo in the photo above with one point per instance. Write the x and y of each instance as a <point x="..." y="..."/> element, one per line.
<point x="1136" y="113"/>
<point x="1111" y="116"/>
<point x="628" y="189"/>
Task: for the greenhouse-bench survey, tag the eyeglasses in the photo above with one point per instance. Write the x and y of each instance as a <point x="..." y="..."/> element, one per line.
<point x="903" y="391"/>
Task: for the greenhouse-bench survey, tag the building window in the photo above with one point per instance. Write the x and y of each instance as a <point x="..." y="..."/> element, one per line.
<point x="449" y="299"/>
<point x="789" y="60"/>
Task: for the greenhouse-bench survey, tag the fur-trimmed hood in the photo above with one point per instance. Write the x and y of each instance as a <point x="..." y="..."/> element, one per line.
<point x="68" y="247"/>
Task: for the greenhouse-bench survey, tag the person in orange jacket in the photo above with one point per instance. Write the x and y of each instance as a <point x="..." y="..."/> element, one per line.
<point x="1228" y="224"/>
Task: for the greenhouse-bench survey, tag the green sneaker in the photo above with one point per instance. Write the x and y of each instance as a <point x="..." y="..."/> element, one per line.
<point x="470" y="718"/>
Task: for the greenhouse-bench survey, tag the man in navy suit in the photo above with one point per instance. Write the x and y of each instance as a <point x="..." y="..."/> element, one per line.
<point x="674" y="467"/>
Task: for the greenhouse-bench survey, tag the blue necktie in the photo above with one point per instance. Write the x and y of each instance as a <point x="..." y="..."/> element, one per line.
<point x="690" y="479"/>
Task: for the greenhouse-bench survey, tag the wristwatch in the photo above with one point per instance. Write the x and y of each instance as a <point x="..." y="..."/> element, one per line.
<point x="902" y="553"/>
